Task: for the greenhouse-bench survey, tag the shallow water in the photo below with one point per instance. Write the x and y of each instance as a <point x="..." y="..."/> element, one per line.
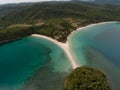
<point x="85" y="44"/>
<point x="21" y="59"/>
<point x="34" y="63"/>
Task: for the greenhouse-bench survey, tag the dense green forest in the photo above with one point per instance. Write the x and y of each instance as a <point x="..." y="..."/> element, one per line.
<point x="85" y="78"/>
<point x="53" y="19"/>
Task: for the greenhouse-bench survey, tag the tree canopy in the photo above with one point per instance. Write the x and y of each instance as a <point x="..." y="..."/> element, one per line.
<point x="85" y="78"/>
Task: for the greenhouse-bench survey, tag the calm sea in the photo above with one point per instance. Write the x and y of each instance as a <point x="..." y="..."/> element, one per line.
<point x="23" y="59"/>
<point x="98" y="46"/>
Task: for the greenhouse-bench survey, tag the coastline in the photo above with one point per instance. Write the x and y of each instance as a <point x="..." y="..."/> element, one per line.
<point x="65" y="46"/>
<point x="90" y="25"/>
<point x="99" y="61"/>
<point x="81" y="28"/>
<point x="70" y="55"/>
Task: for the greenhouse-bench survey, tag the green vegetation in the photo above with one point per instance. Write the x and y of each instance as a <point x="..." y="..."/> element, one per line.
<point x="85" y="78"/>
<point x="53" y="19"/>
<point x="58" y="32"/>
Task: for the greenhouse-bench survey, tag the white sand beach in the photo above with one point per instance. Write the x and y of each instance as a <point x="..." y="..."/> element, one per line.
<point x="90" y="25"/>
<point x="64" y="46"/>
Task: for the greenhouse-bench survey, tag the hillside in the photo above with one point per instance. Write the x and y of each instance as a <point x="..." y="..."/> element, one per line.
<point x="53" y="19"/>
<point x="30" y="13"/>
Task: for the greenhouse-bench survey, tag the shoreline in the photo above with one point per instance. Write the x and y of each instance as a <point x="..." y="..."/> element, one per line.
<point x="65" y="46"/>
<point x="89" y="25"/>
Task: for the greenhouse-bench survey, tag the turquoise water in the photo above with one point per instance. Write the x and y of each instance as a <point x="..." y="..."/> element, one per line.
<point x="103" y="43"/>
<point x="34" y="63"/>
<point x="19" y="60"/>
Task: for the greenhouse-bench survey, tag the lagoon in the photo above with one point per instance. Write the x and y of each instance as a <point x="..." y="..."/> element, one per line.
<point x="22" y="59"/>
<point x="97" y="46"/>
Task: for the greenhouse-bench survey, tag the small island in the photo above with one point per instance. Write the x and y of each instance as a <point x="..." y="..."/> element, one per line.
<point x="85" y="78"/>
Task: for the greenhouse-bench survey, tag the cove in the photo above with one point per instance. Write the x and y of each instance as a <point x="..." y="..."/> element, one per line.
<point x="22" y="59"/>
<point x="97" y="46"/>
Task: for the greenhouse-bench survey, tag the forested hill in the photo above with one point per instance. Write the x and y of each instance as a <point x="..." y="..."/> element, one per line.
<point x="29" y="13"/>
<point x="53" y="19"/>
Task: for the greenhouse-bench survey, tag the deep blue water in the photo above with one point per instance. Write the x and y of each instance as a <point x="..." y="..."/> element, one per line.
<point x="103" y="39"/>
<point x="19" y="60"/>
